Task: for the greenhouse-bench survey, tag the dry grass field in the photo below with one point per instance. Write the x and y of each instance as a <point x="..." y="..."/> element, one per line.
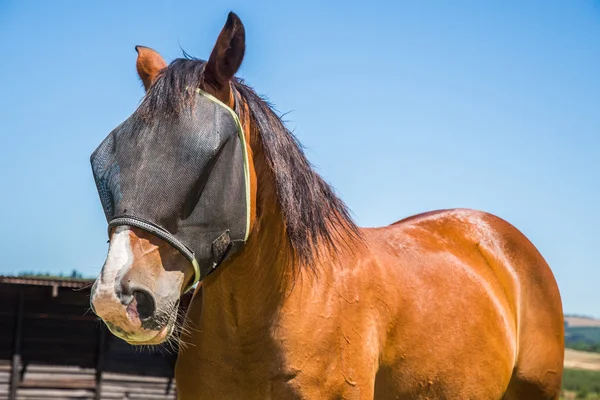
<point x="582" y="360"/>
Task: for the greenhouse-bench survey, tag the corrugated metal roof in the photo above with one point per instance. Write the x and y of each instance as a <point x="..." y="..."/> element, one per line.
<point x="49" y="281"/>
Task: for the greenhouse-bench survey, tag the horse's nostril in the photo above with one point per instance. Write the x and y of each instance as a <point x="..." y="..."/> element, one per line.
<point x="145" y="303"/>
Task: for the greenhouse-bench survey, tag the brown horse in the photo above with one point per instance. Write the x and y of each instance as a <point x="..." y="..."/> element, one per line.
<point x="452" y="304"/>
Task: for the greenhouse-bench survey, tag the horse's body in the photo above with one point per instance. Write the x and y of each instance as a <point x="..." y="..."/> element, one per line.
<point x="446" y="305"/>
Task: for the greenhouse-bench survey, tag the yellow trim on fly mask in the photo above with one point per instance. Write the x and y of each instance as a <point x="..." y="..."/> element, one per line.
<point x="240" y="132"/>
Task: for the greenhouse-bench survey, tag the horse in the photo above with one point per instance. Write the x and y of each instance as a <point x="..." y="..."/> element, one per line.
<point x="448" y="304"/>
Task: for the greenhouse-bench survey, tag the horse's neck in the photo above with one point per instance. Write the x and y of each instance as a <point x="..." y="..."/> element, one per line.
<point x="250" y="289"/>
<point x="245" y="295"/>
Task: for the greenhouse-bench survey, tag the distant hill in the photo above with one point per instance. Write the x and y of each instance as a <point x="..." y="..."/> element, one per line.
<point x="574" y="321"/>
<point x="582" y="333"/>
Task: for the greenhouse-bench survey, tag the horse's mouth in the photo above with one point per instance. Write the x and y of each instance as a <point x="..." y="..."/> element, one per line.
<point x="159" y="338"/>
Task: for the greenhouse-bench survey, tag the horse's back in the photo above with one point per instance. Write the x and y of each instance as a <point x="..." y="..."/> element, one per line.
<point x="477" y="296"/>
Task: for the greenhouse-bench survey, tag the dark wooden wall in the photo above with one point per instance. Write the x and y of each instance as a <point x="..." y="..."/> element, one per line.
<point x="52" y="346"/>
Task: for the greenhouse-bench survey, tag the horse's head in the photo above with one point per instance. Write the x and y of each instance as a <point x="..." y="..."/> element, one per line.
<point x="174" y="180"/>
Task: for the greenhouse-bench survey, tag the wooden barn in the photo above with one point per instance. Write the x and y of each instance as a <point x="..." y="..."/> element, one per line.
<point x="53" y="347"/>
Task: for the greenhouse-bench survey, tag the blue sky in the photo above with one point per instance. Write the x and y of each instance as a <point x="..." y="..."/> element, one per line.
<point x="403" y="107"/>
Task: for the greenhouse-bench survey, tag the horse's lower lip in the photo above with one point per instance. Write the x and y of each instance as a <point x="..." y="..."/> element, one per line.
<point x="159" y="335"/>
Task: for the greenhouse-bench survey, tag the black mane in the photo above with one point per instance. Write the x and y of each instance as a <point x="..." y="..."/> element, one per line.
<point x="312" y="212"/>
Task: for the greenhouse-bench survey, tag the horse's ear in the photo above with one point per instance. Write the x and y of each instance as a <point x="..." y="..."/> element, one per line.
<point x="228" y="53"/>
<point x="149" y="64"/>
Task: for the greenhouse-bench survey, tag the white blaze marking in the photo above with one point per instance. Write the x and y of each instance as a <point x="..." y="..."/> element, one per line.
<point x="118" y="261"/>
<point x="107" y="304"/>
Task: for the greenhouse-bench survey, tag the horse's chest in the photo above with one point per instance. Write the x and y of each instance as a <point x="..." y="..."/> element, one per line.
<point x="281" y="366"/>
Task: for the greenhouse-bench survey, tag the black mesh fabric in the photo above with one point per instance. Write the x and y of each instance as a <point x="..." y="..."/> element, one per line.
<point x="183" y="179"/>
